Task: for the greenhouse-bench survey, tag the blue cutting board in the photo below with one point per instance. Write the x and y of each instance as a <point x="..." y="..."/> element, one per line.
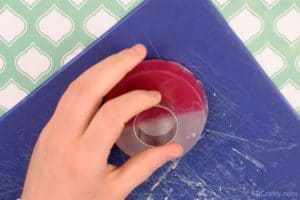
<point x="251" y="142"/>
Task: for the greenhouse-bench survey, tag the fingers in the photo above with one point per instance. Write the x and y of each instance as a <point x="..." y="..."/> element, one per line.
<point x="106" y="127"/>
<point x="83" y="97"/>
<point x="136" y="170"/>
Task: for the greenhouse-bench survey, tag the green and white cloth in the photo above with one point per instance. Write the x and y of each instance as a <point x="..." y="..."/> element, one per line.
<point x="37" y="37"/>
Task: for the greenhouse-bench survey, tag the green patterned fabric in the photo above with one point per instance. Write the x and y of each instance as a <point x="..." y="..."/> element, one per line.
<point x="271" y="31"/>
<point x="37" y="37"/>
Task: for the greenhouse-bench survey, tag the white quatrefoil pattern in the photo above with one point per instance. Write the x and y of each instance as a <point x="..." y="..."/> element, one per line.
<point x="55" y="25"/>
<point x="33" y="63"/>
<point x="38" y="37"/>
<point x="13" y="25"/>
<point x="271" y="31"/>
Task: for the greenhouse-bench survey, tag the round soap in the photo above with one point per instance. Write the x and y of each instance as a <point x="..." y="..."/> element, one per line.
<point x="181" y="115"/>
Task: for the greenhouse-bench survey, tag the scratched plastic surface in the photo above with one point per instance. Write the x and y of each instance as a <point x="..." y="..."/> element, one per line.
<point x="251" y="140"/>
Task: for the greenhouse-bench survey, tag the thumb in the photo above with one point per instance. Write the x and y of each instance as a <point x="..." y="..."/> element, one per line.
<point x="137" y="169"/>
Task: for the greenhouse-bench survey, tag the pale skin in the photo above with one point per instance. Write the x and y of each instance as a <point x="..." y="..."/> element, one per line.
<point x="69" y="160"/>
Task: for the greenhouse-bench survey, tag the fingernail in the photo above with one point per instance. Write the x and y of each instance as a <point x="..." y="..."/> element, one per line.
<point x="138" y="48"/>
<point x="154" y="94"/>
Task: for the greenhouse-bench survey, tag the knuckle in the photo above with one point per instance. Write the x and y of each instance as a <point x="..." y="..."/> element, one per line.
<point x="78" y="89"/>
<point x="127" y="52"/>
<point x="47" y="149"/>
<point x="75" y="88"/>
<point x="144" y="96"/>
<point x="112" y="60"/>
<point x="124" y="53"/>
<point x="110" y="113"/>
<point x="141" y="99"/>
<point x="109" y="109"/>
<point x="122" y="56"/>
<point x="138" y="93"/>
<point x="75" y="167"/>
<point x="41" y="143"/>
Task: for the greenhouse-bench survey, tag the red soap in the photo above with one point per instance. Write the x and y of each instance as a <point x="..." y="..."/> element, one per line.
<point x="181" y="115"/>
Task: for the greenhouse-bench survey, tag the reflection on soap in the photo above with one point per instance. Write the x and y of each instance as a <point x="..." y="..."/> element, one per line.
<point x="181" y="115"/>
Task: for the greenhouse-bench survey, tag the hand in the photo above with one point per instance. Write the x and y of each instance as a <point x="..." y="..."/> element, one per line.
<point x="69" y="161"/>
